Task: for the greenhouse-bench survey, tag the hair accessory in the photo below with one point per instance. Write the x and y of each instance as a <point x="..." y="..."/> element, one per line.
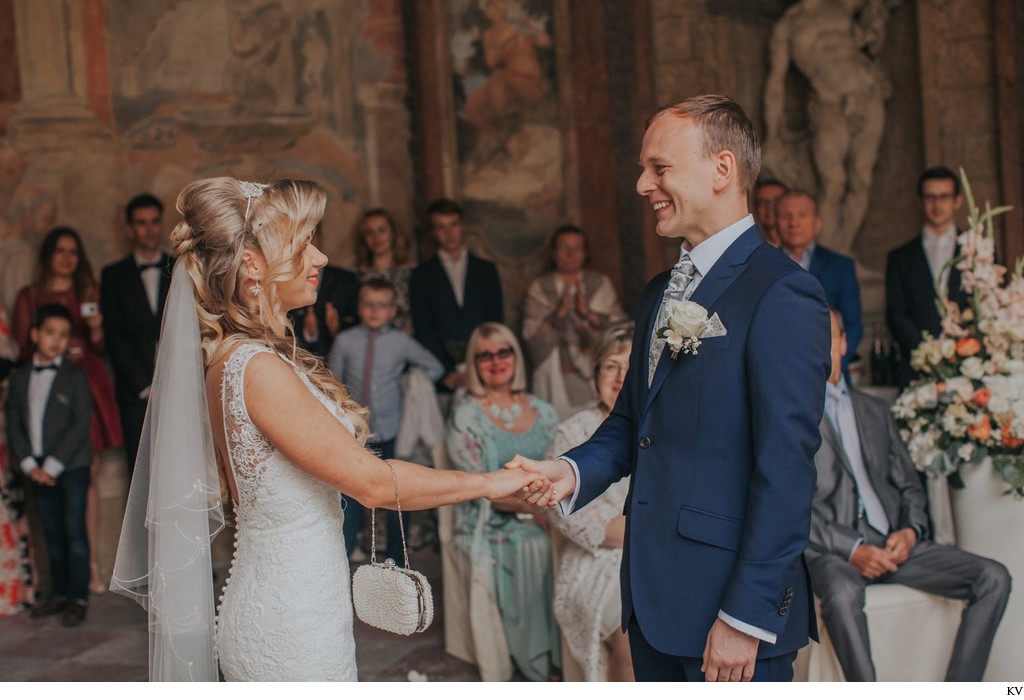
<point x="390" y="597"/>
<point x="256" y="289"/>
<point x="251" y="190"/>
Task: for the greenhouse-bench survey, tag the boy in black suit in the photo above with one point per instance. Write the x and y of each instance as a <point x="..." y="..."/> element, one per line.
<point x="132" y="294"/>
<point x="49" y="409"/>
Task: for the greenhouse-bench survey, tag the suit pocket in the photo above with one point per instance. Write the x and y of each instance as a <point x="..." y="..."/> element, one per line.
<point x="718" y="530"/>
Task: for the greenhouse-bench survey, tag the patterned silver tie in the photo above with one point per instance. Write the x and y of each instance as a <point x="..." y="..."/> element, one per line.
<point x="678" y="285"/>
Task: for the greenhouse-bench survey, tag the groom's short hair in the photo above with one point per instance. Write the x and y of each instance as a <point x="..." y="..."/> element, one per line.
<point x="725" y="127"/>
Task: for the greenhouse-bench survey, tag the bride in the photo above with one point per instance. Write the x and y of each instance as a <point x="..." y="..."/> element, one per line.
<point x="237" y="409"/>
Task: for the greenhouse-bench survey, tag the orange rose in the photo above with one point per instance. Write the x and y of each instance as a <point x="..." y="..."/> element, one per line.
<point x="1007" y="437"/>
<point x="939" y="388"/>
<point x="981" y="430"/>
<point x="965" y="347"/>
<point x="982" y="397"/>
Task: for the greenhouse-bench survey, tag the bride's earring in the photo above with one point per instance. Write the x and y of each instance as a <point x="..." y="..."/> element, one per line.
<point x="256" y="289"/>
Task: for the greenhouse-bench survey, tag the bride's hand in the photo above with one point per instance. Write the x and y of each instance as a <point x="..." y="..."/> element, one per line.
<point x="511" y="482"/>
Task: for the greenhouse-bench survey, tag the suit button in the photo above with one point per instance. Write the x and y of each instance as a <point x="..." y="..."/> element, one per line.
<point x="789" y="591"/>
<point x="783" y="610"/>
<point x="645" y="442"/>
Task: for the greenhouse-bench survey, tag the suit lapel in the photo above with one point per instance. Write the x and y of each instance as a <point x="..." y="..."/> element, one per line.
<point x="446" y="284"/>
<point x="166" y="264"/>
<point x="829" y="434"/>
<point x="723" y="273"/>
<point x="647" y="313"/>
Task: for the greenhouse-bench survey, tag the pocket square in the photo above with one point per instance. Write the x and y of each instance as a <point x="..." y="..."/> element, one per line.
<point x="61" y="398"/>
<point x="714" y="329"/>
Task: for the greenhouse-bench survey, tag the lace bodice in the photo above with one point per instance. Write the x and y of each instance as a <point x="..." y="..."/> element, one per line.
<point x="286" y="611"/>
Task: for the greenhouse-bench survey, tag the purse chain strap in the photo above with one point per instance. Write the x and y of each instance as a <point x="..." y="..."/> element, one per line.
<point x="401" y="525"/>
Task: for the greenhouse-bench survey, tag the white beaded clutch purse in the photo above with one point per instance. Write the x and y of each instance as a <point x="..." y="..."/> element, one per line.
<point x="387" y="596"/>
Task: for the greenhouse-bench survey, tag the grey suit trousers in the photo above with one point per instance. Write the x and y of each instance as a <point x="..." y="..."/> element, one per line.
<point x="933" y="568"/>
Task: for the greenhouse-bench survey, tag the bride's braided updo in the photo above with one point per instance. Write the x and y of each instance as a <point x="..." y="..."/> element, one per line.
<point x="221" y="219"/>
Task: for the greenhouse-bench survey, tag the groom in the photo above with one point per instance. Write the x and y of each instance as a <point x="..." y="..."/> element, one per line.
<point x="720" y="442"/>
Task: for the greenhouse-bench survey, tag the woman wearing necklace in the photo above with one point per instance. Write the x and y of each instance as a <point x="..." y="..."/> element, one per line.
<point x="505" y="541"/>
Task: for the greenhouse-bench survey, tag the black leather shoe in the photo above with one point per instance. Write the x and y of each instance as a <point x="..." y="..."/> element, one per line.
<point x="49" y="607"/>
<point x="74" y="615"/>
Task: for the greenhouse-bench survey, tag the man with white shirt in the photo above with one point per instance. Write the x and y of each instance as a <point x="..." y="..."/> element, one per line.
<point x="870" y="525"/>
<point x="718" y="439"/>
<point x="920" y="267"/>
<point x="452" y="293"/>
<point x="132" y="295"/>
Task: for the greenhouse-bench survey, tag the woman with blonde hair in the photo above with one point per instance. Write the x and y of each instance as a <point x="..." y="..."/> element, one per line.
<point x="232" y="390"/>
<point x="505" y="541"/>
<point x="588" y="603"/>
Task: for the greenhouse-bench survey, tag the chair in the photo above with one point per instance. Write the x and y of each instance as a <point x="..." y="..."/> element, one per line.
<point x="473" y="630"/>
<point x="912" y="635"/>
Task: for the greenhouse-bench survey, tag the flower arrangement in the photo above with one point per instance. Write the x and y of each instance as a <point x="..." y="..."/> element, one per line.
<point x="686" y="322"/>
<point x="968" y="403"/>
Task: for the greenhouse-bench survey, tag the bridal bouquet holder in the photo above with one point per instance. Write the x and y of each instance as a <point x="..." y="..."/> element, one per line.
<point x="389" y="597"/>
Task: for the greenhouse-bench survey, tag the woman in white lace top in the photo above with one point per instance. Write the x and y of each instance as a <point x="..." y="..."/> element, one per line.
<point x="588" y="606"/>
<point x="287" y="436"/>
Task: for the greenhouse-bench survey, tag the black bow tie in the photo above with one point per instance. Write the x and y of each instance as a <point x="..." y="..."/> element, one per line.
<point x="149" y="266"/>
<point x="40" y="368"/>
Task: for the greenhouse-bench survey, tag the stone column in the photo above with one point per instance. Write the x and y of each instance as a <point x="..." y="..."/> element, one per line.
<point x="52" y="66"/>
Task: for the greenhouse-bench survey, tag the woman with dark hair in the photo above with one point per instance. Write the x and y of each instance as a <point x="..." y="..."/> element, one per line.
<point x="64" y="276"/>
<point x="566" y="311"/>
<point x="382" y="252"/>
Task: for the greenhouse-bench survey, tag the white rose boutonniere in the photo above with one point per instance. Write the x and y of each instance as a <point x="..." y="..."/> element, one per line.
<point x="686" y="322"/>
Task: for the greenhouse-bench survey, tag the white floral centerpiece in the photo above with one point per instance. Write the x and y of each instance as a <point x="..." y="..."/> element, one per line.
<point x="968" y="404"/>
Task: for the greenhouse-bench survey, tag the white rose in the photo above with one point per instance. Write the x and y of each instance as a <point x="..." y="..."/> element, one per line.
<point x="962" y="386"/>
<point x="973" y="368"/>
<point x="688" y="319"/>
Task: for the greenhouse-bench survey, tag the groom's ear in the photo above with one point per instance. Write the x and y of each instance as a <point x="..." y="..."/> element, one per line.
<point x="725" y="170"/>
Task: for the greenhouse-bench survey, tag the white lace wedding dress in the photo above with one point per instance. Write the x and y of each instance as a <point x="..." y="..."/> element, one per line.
<point x="286" y="611"/>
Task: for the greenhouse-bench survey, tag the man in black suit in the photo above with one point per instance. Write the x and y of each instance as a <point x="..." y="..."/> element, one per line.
<point x="915" y="270"/>
<point x="132" y="294"/>
<point x="452" y="293"/>
<point x="334" y="309"/>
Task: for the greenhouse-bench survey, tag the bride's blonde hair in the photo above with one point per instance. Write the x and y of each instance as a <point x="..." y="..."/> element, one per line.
<point x="219" y="223"/>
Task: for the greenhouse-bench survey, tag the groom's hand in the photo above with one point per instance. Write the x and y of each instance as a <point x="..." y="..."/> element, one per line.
<point x="557" y="471"/>
<point x="729" y="654"/>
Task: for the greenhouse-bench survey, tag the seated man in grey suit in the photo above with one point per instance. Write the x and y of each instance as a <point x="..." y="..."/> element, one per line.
<point x="869" y="525"/>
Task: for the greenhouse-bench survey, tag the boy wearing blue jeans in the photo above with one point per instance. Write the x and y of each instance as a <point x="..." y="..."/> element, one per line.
<point x="370" y="359"/>
<point x="49" y="409"/>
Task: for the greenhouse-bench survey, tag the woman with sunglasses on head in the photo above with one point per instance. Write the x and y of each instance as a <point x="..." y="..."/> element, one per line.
<point x="497" y="420"/>
<point x="588" y="604"/>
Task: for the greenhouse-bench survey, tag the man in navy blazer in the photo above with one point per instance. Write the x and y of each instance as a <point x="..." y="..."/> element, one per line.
<point x="452" y="293"/>
<point x="799" y="226"/>
<point x="916" y="269"/>
<point x="719" y="443"/>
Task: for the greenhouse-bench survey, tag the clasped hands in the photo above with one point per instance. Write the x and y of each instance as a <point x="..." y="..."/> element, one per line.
<point x="873" y="562"/>
<point x="553" y="480"/>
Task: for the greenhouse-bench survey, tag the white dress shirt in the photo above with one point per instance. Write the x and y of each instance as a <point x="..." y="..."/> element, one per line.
<point x="150" y="279"/>
<point x="938" y="249"/>
<point x="455" y="268"/>
<point x="39" y="386"/>
<point x="704" y="256"/>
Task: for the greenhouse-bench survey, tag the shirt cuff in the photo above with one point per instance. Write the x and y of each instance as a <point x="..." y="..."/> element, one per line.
<point x="28" y="465"/>
<point x="53" y="466"/>
<point x="757" y="632"/>
<point x="858" y="543"/>
<point x="567" y="508"/>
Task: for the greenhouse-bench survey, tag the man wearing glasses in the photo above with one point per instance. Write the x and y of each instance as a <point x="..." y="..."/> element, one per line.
<point x="918" y="269"/>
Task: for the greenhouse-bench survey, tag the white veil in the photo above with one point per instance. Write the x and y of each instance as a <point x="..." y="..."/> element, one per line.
<point x="174" y="508"/>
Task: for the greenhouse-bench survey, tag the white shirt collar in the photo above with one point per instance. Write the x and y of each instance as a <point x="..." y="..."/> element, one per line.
<point x="450" y="260"/>
<point x="139" y="261"/>
<point x="36" y="362"/>
<point x="950" y="232"/>
<point x="706" y="253"/>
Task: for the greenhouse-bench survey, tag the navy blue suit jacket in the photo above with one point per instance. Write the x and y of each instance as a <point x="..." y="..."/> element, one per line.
<point x="440" y="324"/>
<point x="838" y="276"/>
<point x="721" y="454"/>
